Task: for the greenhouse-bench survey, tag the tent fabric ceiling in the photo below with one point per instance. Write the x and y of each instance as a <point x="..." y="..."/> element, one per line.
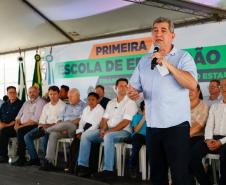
<point x="214" y="3"/>
<point x="74" y="9"/>
<point x="79" y="20"/>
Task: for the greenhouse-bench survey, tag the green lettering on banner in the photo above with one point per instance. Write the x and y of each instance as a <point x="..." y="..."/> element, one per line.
<point x="210" y="62"/>
<point x="120" y="65"/>
<point x="212" y="57"/>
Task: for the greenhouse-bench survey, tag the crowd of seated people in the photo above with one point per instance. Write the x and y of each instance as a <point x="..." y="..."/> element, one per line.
<point x="101" y="120"/>
<point x="214" y="141"/>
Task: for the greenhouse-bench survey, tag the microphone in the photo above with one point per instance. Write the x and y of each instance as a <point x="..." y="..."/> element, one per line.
<point x="154" y="60"/>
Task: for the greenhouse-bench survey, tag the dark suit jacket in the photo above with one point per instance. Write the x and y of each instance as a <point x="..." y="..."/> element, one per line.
<point x="104" y="101"/>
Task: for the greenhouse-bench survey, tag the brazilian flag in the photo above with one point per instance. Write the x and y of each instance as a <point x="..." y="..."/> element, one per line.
<point x="37" y="77"/>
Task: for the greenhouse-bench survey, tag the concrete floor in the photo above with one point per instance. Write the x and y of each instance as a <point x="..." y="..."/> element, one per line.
<point x="31" y="175"/>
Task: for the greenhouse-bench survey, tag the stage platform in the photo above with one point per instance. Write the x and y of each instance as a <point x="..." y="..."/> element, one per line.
<point x="31" y="175"/>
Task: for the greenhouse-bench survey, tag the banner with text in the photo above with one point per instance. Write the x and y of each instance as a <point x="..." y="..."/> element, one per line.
<point x="210" y="61"/>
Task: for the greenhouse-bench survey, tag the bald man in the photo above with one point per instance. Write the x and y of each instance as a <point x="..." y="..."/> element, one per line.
<point x="65" y="127"/>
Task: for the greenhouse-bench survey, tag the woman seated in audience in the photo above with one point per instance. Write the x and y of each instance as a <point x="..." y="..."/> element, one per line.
<point x="138" y="139"/>
<point x="199" y="115"/>
<point x="90" y="120"/>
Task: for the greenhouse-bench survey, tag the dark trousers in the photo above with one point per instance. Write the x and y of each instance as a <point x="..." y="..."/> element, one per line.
<point x="5" y="134"/>
<point x="74" y="151"/>
<point x="73" y="155"/>
<point x="193" y="142"/>
<point x="137" y="141"/>
<point x="20" y="137"/>
<point x="169" y="147"/>
<point x="198" y="152"/>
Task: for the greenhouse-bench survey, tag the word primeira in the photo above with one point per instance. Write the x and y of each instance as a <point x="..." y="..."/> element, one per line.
<point x="121" y="48"/>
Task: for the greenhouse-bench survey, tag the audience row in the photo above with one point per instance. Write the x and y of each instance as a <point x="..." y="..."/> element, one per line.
<point x="106" y="121"/>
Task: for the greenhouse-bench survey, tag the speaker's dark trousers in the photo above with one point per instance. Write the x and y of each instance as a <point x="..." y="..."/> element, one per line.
<point x="169" y="148"/>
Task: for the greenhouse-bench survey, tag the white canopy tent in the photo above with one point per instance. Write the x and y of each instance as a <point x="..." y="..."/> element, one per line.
<point x="29" y="24"/>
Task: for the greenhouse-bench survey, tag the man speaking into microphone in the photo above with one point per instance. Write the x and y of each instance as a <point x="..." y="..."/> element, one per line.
<point x="165" y="88"/>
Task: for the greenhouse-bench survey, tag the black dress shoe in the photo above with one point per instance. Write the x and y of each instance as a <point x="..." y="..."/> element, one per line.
<point x="19" y="162"/>
<point x="105" y="176"/>
<point x="69" y="170"/>
<point x="47" y="166"/>
<point x="3" y="159"/>
<point x="83" y="171"/>
<point x="133" y="173"/>
<point x="33" y="162"/>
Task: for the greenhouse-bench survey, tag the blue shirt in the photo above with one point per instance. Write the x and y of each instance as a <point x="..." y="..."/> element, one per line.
<point x="72" y="112"/>
<point x="167" y="103"/>
<point x="136" y="121"/>
<point x="211" y="102"/>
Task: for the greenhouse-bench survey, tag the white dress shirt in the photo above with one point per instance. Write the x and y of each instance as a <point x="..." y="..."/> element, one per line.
<point x="118" y="111"/>
<point x="93" y="117"/>
<point x="216" y="123"/>
<point x="51" y="113"/>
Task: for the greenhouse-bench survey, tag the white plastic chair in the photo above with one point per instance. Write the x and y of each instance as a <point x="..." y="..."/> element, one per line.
<point x="126" y="146"/>
<point x="215" y="163"/>
<point x="12" y="147"/>
<point x="63" y="141"/>
<point x="142" y="161"/>
<point x="118" y="151"/>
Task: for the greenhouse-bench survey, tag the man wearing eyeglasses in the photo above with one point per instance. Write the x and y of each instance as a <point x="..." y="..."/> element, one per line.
<point x="8" y="113"/>
<point x="215" y="140"/>
<point x="214" y="93"/>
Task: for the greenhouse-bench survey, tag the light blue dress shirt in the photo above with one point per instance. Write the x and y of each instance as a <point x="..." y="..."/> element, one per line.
<point x="72" y="112"/>
<point x="167" y="103"/>
<point x="211" y="102"/>
<point x="31" y="110"/>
